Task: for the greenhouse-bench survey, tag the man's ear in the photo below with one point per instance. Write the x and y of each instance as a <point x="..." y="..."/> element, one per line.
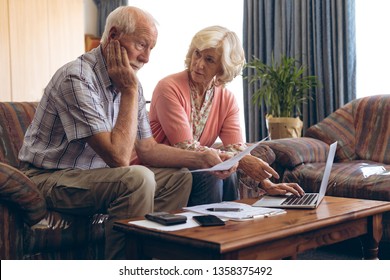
<point x="113" y="33"/>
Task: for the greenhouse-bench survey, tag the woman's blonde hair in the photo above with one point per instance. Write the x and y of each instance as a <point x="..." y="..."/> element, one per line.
<point x="224" y="40"/>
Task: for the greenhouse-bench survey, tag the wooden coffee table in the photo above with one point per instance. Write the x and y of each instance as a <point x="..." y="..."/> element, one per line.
<point x="283" y="236"/>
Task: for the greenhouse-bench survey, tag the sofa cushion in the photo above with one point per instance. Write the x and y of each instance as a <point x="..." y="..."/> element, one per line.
<point x="372" y="129"/>
<point x="360" y="128"/>
<point x="291" y="152"/>
<point x="15" y="117"/>
<point x="19" y="190"/>
<point x="264" y="152"/>
<point x="338" y="126"/>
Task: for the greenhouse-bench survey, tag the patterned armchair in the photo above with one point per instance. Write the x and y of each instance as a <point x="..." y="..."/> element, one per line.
<point x="362" y="164"/>
<point x="28" y="230"/>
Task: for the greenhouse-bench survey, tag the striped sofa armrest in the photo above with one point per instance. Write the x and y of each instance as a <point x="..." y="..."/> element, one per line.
<point x="15" y="117"/>
<point x="291" y="152"/>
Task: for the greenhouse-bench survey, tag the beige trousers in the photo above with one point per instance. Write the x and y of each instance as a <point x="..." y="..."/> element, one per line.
<point x="122" y="193"/>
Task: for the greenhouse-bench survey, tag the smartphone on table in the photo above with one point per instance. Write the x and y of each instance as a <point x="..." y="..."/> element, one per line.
<point x="208" y="220"/>
<point x="165" y="218"/>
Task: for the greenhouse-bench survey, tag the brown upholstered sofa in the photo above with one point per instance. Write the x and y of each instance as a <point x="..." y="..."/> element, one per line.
<point x="28" y="230"/>
<point x="362" y="164"/>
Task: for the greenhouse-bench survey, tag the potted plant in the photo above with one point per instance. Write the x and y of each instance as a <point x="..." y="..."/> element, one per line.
<point x="283" y="87"/>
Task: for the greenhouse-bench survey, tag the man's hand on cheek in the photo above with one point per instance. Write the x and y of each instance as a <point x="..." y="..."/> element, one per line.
<point x="120" y="72"/>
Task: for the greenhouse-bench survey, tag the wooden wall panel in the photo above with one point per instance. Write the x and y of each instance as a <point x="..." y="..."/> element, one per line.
<point x="5" y="67"/>
<point x="66" y="31"/>
<point x="29" y="39"/>
<point x="42" y="36"/>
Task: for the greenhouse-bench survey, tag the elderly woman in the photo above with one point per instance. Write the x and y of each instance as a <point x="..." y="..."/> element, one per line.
<point x="192" y="108"/>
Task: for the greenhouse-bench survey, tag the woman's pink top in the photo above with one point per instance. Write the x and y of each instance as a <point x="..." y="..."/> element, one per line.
<point x="170" y="113"/>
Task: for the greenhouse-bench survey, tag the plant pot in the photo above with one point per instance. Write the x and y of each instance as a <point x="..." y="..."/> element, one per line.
<point x="284" y="127"/>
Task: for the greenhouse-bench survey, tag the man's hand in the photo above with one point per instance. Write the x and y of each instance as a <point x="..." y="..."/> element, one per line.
<point x="211" y="157"/>
<point x="120" y="72"/>
<point x="225" y="173"/>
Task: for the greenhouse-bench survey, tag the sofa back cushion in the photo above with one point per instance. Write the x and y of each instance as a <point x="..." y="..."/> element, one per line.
<point x="372" y="128"/>
<point x="15" y="117"/>
<point x="338" y="126"/>
<point x="360" y="128"/>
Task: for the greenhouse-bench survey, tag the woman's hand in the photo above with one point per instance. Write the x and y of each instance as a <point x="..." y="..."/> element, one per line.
<point x="256" y="168"/>
<point x="282" y="188"/>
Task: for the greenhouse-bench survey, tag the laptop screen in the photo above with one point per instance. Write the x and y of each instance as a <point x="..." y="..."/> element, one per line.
<point x="328" y="168"/>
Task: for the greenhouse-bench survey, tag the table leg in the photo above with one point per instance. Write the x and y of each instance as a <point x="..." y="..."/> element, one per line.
<point x="373" y="237"/>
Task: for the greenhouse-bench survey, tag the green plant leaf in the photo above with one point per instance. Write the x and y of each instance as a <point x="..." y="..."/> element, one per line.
<point x="283" y="86"/>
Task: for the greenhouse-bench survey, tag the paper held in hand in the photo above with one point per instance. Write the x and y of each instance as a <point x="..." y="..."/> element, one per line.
<point x="226" y="165"/>
<point x="246" y="211"/>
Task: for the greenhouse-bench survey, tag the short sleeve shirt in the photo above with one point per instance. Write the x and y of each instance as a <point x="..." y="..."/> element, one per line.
<point x="79" y="101"/>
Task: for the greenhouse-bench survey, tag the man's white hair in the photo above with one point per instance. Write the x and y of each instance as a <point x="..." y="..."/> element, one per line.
<point x="125" y="19"/>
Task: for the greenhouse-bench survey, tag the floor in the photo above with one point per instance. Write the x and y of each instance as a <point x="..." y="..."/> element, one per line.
<point x="346" y="250"/>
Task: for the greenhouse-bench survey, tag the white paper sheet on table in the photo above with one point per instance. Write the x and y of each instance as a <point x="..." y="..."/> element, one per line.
<point x="247" y="211"/>
<point x="227" y="164"/>
<point x="153" y="225"/>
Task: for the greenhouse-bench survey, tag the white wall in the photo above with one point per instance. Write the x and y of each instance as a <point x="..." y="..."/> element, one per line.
<point x="372" y="47"/>
<point x="90" y="17"/>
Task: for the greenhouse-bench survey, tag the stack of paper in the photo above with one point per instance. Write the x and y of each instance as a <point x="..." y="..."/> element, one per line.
<point x="245" y="211"/>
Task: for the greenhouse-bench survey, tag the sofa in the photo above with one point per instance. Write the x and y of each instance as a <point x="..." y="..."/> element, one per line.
<point x="361" y="167"/>
<point x="28" y="229"/>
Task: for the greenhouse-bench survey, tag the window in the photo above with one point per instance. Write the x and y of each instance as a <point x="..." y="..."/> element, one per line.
<point x="372" y="47"/>
<point x="178" y="21"/>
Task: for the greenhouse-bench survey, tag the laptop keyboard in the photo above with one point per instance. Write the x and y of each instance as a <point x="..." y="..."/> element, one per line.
<point x="304" y="200"/>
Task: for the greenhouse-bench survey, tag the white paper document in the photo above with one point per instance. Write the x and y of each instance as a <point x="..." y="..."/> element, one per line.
<point x="246" y="211"/>
<point x="153" y="225"/>
<point x="226" y="165"/>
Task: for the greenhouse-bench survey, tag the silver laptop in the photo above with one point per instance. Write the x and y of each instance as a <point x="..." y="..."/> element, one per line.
<point x="309" y="200"/>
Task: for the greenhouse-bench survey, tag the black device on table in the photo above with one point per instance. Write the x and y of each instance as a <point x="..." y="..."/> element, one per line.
<point x="165" y="218"/>
<point x="208" y="220"/>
